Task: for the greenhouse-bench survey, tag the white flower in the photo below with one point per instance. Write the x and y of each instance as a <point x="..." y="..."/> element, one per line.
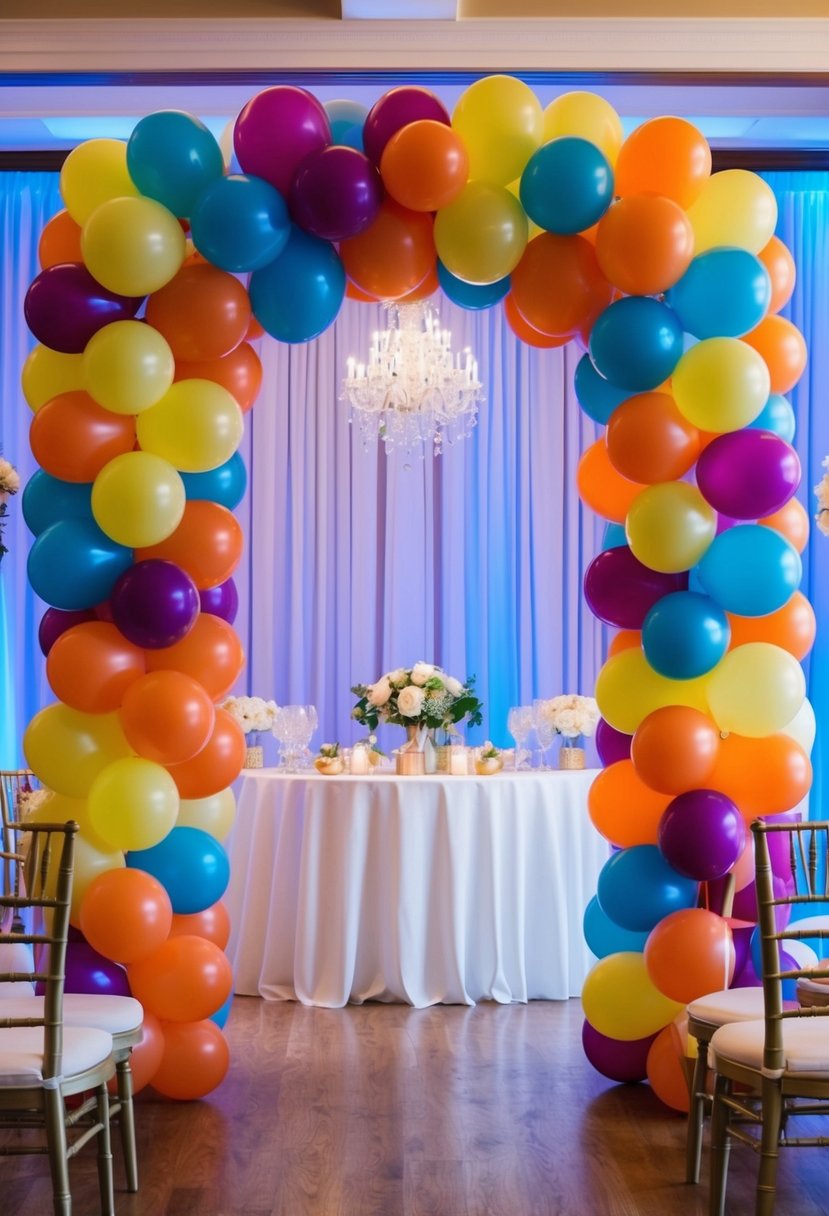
<point x="571" y="715"/>
<point x="421" y="672"/>
<point x="398" y="677"/>
<point x="379" y="693"/>
<point x="9" y="477"/>
<point x="453" y="686"/>
<point x="251" y="713"/>
<point x="410" y="701"/>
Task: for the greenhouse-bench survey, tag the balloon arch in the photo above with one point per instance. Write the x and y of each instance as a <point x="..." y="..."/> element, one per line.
<point x="672" y="280"/>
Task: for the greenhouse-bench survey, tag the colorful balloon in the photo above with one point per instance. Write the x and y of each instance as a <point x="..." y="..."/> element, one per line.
<point x="636" y="343"/>
<point x="791" y="627"/>
<point x="735" y="207"/>
<point x="588" y="116"/>
<point x="190" y="865"/>
<point x="184" y="979"/>
<point x="779" y="263"/>
<point x="756" y="690"/>
<point x="73" y="438"/>
<point x="611" y="744"/>
<point x="73" y="565"/>
<point x="395" y="110"/>
<point x="558" y="286"/>
<point x="473" y="296"/>
<point x="637" y="888"/>
<point x="222" y="601"/>
<point x="601" y="487"/>
<point x="276" y="131"/>
<point x="216" y="765"/>
<point x="47" y="374"/>
<point x="195" y="1059"/>
<point x="196" y="426"/>
<point x="240" y="373"/>
<point x="336" y="193"/>
<point x="67" y="749"/>
<point x="748" y="473"/>
<point x="605" y="937"/>
<point x="203" y="313"/>
<point x="675" y="749"/>
<point x="685" y="635"/>
<point x="597" y="396"/>
<point x="620" y="590"/>
<point x="128" y="366"/>
<point x="501" y="122"/>
<point x="207" y="544"/>
<point x="138" y="499"/>
<point x="210" y="652"/>
<point x="132" y="245"/>
<point x="723" y="294"/>
<point x="644" y="244"/>
<point x="65" y="306"/>
<point x="298" y="295"/>
<point x="47" y="499"/>
<point x="614" y="1058"/>
<point x="720" y="384"/>
<point x="750" y="570"/>
<point x="702" y="834"/>
<point x="625" y="810"/>
<point x="648" y="440"/>
<point x="567" y="185"/>
<point x="91" y="665"/>
<point x="664" y="156"/>
<point x="133" y="803"/>
<point x="155" y="604"/>
<point x="226" y="484"/>
<point x="167" y="717"/>
<point x="689" y="954"/>
<point x="94" y="172"/>
<point x="621" y="1002"/>
<point x="173" y="157"/>
<point x="240" y="223"/>
<point x="670" y="526"/>
<point x="781" y="345"/>
<point x="628" y="689"/>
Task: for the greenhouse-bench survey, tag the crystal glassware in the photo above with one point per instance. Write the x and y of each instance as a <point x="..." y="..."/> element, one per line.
<point x="545" y="732"/>
<point x="520" y="725"/>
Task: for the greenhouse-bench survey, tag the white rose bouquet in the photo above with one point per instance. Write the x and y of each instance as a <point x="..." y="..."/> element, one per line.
<point x="423" y="695"/>
<point x="822" y="493"/>
<point x="571" y="715"/>
<point x="9" y="484"/>
<point x="252" y="713"/>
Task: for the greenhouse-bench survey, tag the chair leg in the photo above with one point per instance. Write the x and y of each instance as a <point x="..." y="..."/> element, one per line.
<point x="105" y="1183"/>
<point x="58" y="1159"/>
<point x="769" y="1147"/>
<point x="720" y="1148"/>
<point x="696" y="1114"/>
<point x="127" y="1121"/>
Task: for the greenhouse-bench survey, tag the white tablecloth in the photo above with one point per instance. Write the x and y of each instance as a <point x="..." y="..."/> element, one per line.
<point x="416" y="889"/>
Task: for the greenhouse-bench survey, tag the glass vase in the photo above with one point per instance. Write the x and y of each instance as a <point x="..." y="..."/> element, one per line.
<point x="571" y="754"/>
<point x="254" y="752"/>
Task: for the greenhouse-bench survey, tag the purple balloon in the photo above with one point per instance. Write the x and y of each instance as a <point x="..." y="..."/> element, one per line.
<point x="748" y="474"/>
<point x="221" y="601"/>
<point x="618" y="1059"/>
<point x="745" y="903"/>
<point x="154" y="604"/>
<point x="65" y="306"/>
<point x="611" y="744"/>
<point x="275" y="132"/>
<point x="55" y="621"/>
<point x="621" y="591"/>
<point x="89" y="972"/>
<point x="701" y="834"/>
<point x="336" y="193"/>
<point x="397" y="109"/>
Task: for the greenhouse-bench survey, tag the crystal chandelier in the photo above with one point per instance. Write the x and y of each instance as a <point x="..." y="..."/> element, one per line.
<point x="413" y="391"/>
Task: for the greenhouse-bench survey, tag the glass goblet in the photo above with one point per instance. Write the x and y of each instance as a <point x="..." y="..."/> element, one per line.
<point x="519" y="725"/>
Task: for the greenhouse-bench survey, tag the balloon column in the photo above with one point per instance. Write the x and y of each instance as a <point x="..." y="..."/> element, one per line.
<point x="155" y="279"/>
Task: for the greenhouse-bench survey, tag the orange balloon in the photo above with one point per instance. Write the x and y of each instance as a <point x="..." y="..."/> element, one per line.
<point x="255" y="330"/>
<point x="762" y="776"/>
<point x="203" y="312"/>
<point x="167" y="717"/>
<point x="207" y="544"/>
<point x="216" y="766"/>
<point x="557" y="286"/>
<point x="126" y="914"/>
<point x="666" y="1070"/>
<point x="145" y="1056"/>
<point x="645" y="244"/>
<point x="667" y="156"/>
<point x="213" y="923"/>
<point x="425" y="289"/>
<point x="625" y="639"/>
<point x="782" y="346"/>
<point x="60" y="241"/>
<point x="183" y="980"/>
<point x="425" y="165"/>
<point x="393" y="255"/>
<point x="791" y="627"/>
<point x="526" y="332"/>
<point x="782" y="272"/>
<point x="601" y="487"/>
<point x="353" y="292"/>
<point x="648" y="440"/>
<point x="675" y="748"/>
<point x="623" y="808"/>
<point x="91" y="666"/>
<point x="792" y="521"/>
<point x="689" y="954"/>
<point x="240" y="373"/>
<point x="211" y="653"/>
<point x="194" y="1060"/>
<point x="72" y="437"/>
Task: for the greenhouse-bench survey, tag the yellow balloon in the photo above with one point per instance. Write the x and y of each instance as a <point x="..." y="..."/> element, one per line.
<point x="92" y="174"/>
<point x="628" y="689"/>
<point x="128" y="366"/>
<point x="89" y="863"/>
<point x="48" y="373"/>
<point x="803" y="727"/>
<point x="669" y="526"/>
<point x="756" y="689"/>
<point x="138" y="499"/>
<point x="481" y="236"/>
<point x="500" y="120"/>
<point x="67" y="749"/>
<point x="515" y="190"/>
<point x="589" y="117"/>
<point x="197" y="425"/>
<point x="736" y="207"/>
<point x="133" y="803"/>
<point x="619" y="998"/>
<point x="214" y="815"/>
<point x="133" y="245"/>
<point x="57" y="808"/>
<point x="721" y="384"/>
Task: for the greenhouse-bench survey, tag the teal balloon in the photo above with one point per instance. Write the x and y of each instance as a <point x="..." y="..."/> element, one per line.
<point x="298" y="296"/>
<point x="637" y="888"/>
<point x="684" y="635"/>
<point x="172" y="157"/>
<point x="240" y="223"/>
<point x="225" y="485"/>
<point x="474" y="296"/>
<point x="346" y="119"/>
<point x="47" y="500"/>
<point x="604" y="936"/>
<point x="73" y="564"/>
<point x="222" y="1013"/>
<point x="636" y="343"/>
<point x="750" y="570"/>
<point x="776" y="416"/>
<point x="190" y="864"/>
<point x="567" y="185"/>
<point x="596" y="396"/>
<point x="614" y="536"/>
<point x="724" y="293"/>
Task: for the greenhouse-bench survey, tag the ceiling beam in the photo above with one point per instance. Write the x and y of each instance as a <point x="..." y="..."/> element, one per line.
<point x="404" y="10"/>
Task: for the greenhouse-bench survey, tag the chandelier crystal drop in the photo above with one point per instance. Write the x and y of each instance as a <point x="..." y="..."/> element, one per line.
<point x="414" y="391"/>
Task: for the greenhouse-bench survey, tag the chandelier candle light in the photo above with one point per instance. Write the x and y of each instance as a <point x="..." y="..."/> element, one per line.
<point x="414" y="389"/>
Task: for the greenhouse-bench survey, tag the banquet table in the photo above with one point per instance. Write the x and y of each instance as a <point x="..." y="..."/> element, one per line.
<point x="421" y="890"/>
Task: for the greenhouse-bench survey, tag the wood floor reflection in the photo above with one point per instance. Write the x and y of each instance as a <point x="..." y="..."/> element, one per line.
<point x="391" y="1111"/>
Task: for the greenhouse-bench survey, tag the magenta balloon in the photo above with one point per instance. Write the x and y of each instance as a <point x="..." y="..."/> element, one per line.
<point x="89" y="972"/>
<point x="396" y="109"/>
<point x="748" y="474"/>
<point x="221" y="601"/>
<point x="621" y="591"/>
<point x="701" y="834"/>
<point x="154" y="604"/>
<point x="745" y="903"/>
<point x="611" y="744"/>
<point x="55" y="621"/>
<point x="336" y="193"/>
<point x="618" y="1059"/>
<point x="275" y="132"/>
<point x="65" y="306"/>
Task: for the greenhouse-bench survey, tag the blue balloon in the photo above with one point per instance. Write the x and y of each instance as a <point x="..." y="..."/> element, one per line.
<point x="172" y="157"/>
<point x="596" y="396"/>
<point x="47" y="499"/>
<point x="240" y="223"/>
<point x="750" y="570"/>
<point x="225" y="484"/>
<point x="685" y="635"/>
<point x="724" y="293"/>
<point x="604" y="936"/>
<point x="636" y="343"/>
<point x="346" y="119"/>
<point x="298" y="296"/>
<point x="637" y="888"/>
<point x="190" y="864"/>
<point x="352" y="137"/>
<point x="471" y="295"/>
<point x="222" y="1013"/>
<point x="73" y="564"/>
<point x="567" y="185"/>
<point x="776" y="416"/>
<point x="614" y="536"/>
<point x="787" y="963"/>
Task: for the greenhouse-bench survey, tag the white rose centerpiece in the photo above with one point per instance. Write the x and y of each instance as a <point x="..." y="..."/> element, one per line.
<point x="253" y="715"/>
<point x="573" y="717"/>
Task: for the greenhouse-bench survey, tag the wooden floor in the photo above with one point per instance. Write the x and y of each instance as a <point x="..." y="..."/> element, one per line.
<point x="383" y="1110"/>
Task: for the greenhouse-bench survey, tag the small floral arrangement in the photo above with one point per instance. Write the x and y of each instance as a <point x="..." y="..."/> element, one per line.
<point x="571" y="715"/>
<point x="252" y="713"/>
<point x="28" y="801"/>
<point x="329" y="762"/>
<point x="328" y="751"/>
<point x="489" y="751"/>
<point x="9" y="484"/>
<point x="423" y="695"/>
<point x="822" y="492"/>
<point x="488" y="760"/>
<point x="375" y="752"/>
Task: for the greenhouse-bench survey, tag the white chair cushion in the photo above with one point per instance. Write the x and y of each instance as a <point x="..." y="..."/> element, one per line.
<point x="730" y="1005"/>
<point x="115" y="1014"/>
<point x="21" y="1054"/>
<point x="805" y="1044"/>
